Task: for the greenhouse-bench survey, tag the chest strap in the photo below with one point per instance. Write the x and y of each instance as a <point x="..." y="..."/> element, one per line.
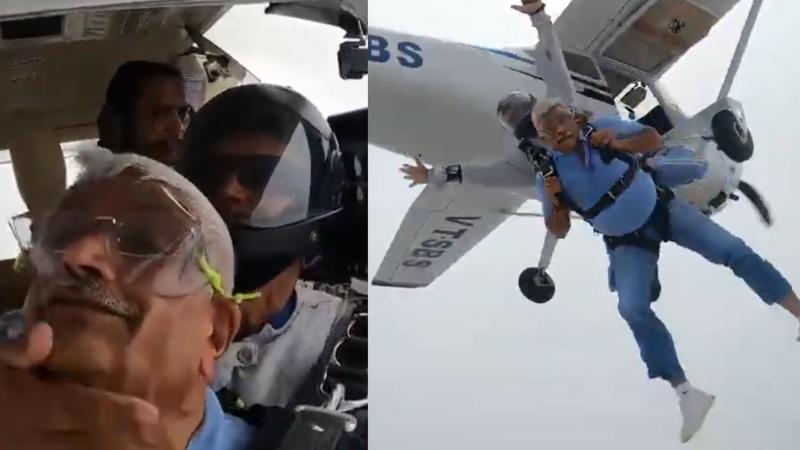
<point x="608" y="199"/>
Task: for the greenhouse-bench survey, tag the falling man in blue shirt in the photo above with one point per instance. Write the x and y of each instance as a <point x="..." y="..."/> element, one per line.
<point x="597" y="175"/>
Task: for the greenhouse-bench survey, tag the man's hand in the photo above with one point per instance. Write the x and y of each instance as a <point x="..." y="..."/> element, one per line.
<point x="529" y="7"/>
<point x="552" y="187"/>
<point x="36" y="414"/>
<point x="418" y="174"/>
<point x="605" y="139"/>
<point x="558" y="222"/>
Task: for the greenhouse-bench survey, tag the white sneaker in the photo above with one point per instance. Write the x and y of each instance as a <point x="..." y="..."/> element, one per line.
<point x="694" y="405"/>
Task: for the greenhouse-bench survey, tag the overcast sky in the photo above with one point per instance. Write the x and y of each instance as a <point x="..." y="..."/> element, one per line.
<point x="468" y="363"/>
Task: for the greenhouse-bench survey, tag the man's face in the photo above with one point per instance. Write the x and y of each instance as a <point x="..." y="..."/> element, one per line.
<point x="239" y="171"/>
<point x="560" y="130"/>
<point x="159" y="118"/>
<point x="122" y="321"/>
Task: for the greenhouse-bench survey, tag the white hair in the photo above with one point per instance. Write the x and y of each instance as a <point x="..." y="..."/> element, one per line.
<point x="542" y="108"/>
<point x="99" y="163"/>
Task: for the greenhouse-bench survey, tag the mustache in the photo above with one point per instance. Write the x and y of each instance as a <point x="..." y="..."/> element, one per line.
<point x="90" y="292"/>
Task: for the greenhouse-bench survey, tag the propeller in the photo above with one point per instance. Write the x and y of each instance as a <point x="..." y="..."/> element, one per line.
<point x="755" y="198"/>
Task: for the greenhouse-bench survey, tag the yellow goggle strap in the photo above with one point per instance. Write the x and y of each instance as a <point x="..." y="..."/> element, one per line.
<point x="215" y="280"/>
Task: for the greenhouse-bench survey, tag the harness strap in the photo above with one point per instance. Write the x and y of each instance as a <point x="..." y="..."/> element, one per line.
<point x="610" y="197"/>
<point x="620" y="186"/>
<point x="659" y="219"/>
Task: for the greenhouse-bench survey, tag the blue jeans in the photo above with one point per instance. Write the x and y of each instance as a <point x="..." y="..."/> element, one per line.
<point x="676" y="166"/>
<point x="633" y="273"/>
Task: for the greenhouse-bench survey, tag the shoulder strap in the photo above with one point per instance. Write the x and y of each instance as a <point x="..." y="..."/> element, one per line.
<point x="605" y="154"/>
<point x="614" y="191"/>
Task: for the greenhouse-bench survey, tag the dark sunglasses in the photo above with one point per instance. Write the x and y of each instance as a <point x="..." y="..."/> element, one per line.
<point x="251" y="172"/>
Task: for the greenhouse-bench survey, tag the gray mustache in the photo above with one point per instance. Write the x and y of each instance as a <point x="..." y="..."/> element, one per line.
<point x="94" y="292"/>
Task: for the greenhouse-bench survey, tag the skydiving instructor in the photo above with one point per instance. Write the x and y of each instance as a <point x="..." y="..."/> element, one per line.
<point x="513" y="171"/>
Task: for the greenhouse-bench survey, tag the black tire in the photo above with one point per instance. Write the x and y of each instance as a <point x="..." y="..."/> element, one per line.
<point x="732" y="137"/>
<point x="536" y="285"/>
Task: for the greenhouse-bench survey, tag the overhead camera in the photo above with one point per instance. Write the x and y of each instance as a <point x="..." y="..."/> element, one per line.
<point x="216" y="66"/>
<point x="353" y="59"/>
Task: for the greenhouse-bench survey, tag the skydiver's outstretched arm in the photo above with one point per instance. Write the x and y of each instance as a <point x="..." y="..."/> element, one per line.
<point x="550" y="62"/>
<point x="499" y="174"/>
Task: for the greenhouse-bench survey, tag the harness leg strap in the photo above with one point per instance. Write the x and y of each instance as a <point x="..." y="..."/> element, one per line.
<point x="659" y="220"/>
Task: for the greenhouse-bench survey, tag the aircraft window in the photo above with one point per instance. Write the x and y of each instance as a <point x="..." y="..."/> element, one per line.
<point x="582" y="64"/>
<point x="11" y="202"/>
<point x="32" y="28"/>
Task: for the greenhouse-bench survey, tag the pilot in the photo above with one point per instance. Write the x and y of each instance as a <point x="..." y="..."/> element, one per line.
<point x="145" y="111"/>
<point x="634" y="216"/>
<point x="269" y="162"/>
<point x="129" y="307"/>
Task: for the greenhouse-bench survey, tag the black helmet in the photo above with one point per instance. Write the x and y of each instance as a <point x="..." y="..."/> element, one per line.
<point x="285" y="186"/>
<point x="513" y="109"/>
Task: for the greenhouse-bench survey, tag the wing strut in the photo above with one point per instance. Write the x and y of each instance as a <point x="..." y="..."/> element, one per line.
<point x="548" y="248"/>
<point x="740" y="48"/>
<point x="550" y="240"/>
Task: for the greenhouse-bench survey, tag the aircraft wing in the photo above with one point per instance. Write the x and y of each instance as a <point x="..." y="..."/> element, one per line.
<point x="637" y="39"/>
<point x="350" y="15"/>
<point x="441" y="226"/>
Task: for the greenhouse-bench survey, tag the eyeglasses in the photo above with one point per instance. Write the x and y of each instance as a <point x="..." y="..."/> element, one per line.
<point x="552" y="120"/>
<point x="153" y="246"/>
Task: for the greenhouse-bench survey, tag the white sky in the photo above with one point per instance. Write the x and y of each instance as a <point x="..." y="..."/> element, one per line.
<point x="468" y="363"/>
<point x="276" y="49"/>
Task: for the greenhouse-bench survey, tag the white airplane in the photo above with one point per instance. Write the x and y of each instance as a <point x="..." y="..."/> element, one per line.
<point x="439" y="99"/>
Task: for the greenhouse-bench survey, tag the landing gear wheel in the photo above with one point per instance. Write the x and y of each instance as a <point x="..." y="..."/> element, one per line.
<point x="732" y="137"/>
<point x="536" y="285"/>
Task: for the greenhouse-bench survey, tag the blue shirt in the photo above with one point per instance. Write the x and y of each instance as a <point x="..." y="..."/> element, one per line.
<point x="280" y="318"/>
<point x="676" y="166"/>
<point x="584" y="177"/>
<point x="220" y="431"/>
